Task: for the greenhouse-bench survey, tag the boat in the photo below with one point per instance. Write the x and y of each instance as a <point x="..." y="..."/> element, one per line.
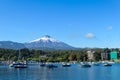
<point x="13" y="64"/>
<point x="20" y="65"/>
<point x="66" y="65"/>
<point x="107" y="64"/>
<point x="85" y="65"/>
<point x="51" y="66"/>
<point x="42" y="64"/>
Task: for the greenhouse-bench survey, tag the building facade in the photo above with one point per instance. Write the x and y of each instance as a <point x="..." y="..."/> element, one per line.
<point x="113" y="55"/>
<point x="90" y="55"/>
<point x="104" y="56"/>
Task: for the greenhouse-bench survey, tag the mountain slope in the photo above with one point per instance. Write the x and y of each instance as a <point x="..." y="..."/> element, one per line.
<point x="11" y="45"/>
<point x="48" y="42"/>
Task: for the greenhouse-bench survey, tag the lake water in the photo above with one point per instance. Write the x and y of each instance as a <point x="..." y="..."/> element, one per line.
<point x="61" y="73"/>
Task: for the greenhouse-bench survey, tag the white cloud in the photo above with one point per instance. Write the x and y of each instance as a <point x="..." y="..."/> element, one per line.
<point x="90" y="35"/>
<point x="110" y="28"/>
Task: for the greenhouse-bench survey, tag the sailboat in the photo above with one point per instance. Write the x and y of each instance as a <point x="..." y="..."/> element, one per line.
<point x="19" y="64"/>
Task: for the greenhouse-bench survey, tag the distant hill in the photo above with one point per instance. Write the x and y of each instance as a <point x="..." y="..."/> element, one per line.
<point x="11" y="45"/>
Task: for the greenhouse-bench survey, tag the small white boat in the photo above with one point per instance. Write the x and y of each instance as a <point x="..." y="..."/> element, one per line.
<point x="107" y="64"/>
<point x="85" y="65"/>
<point x="66" y="64"/>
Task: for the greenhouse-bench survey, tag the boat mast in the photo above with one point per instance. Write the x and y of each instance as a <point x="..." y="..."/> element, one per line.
<point x="18" y="55"/>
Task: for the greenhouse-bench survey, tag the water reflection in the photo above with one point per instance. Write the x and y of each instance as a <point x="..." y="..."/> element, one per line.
<point x="61" y="73"/>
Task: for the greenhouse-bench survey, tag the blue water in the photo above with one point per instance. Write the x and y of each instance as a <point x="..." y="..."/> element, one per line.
<point x="35" y="72"/>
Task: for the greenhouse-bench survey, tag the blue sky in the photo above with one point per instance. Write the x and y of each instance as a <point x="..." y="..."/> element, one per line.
<point x="80" y="23"/>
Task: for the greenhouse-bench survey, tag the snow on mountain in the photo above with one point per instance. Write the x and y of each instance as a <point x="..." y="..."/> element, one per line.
<point x="45" y="38"/>
<point x="47" y="42"/>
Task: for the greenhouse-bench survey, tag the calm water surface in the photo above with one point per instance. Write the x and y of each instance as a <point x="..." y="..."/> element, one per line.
<point x="61" y="73"/>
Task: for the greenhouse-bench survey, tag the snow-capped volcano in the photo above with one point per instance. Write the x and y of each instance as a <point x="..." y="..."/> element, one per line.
<point x="45" y="38"/>
<point x="47" y="42"/>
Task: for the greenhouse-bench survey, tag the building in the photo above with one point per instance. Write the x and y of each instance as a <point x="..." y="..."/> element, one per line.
<point x="90" y="55"/>
<point x="114" y="55"/>
<point x="105" y="56"/>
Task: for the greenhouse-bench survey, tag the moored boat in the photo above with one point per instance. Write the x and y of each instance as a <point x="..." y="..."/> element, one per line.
<point x="20" y="65"/>
<point x="107" y="64"/>
<point x="85" y="65"/>
<point x="51" y="66"/>
<point x="66" y="64"/>
<point x="13" y="64"/>
<point x="42" y="64"/>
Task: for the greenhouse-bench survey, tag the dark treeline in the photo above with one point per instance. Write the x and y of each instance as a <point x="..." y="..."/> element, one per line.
<point x="50" y="56"/>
